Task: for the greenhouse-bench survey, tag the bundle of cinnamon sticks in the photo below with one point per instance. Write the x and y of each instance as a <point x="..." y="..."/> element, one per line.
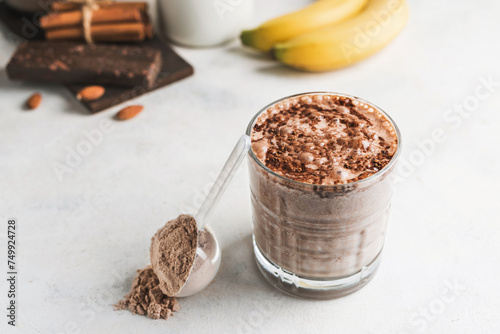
<point x="108" y="22"/>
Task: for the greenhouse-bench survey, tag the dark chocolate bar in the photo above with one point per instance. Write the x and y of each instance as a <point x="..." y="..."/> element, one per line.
<point x="77" y="63"/>
<point x="174" y="68"/>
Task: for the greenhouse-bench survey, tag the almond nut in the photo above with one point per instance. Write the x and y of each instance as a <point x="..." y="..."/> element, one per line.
<point x="34" y="101"/>
<point x="129" y="112"/>
<point x="90" y="93"/>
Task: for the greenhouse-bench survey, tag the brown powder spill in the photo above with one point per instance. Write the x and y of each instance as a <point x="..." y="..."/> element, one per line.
<point x="173" y="250"/>
<point x="146" y="297"/>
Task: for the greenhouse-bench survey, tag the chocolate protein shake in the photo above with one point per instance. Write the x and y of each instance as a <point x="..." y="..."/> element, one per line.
<point x="319" y="167"/>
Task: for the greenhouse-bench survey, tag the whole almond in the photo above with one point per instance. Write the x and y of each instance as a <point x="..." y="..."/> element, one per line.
<point x="129" y="112"/>
<point x="90" y="93"/>
<point x="34" y="101"/>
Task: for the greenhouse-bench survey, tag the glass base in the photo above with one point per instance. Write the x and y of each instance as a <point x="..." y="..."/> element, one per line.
<point x="311" y="288"/>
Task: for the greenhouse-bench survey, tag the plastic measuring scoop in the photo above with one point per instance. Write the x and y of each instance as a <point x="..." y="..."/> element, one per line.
<point x="207" y="260"/>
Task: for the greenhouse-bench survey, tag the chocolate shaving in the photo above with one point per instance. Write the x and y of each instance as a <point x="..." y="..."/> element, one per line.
<point x="348" y="141"/>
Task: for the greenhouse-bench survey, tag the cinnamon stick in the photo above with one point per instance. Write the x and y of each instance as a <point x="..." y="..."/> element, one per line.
<point x="65" y="6"/>
<point x="103" y="15"/>
<point x="148" y="26"/>
<point x="119" y="32"/>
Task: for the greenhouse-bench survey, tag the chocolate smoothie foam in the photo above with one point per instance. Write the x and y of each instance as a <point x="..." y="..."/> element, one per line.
<point x="318" y="176"/>
<point x="323" y="140"/>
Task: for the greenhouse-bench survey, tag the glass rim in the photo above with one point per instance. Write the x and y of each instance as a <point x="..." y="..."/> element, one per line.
<point x="370" y="178"/>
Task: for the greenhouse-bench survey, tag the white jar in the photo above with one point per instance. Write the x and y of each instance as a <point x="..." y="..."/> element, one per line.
<point x="204" y="22"/>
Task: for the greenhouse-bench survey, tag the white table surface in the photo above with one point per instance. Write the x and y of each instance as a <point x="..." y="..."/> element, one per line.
<point x="82" y="238"/>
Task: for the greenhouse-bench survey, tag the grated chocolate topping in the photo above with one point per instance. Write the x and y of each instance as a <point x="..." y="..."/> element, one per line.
<point x="323" y="139"/>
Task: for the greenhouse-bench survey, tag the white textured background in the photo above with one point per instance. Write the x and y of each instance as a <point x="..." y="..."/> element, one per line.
<point x="81" y="240"/>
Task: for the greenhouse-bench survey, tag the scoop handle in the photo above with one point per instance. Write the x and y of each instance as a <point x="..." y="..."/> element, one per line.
<point x="225" y="176"/>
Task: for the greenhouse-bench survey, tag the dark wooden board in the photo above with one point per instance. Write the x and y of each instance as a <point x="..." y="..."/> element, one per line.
<point x="174" y="67"/>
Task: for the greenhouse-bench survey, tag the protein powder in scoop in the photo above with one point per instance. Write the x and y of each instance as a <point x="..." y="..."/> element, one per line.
<point x="173" y="249"/>
<point x="181" y="259"/>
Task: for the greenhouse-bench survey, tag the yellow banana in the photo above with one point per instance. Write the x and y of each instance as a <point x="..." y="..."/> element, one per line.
<point x="347" y="42"/>
<point x="317" y="15"/>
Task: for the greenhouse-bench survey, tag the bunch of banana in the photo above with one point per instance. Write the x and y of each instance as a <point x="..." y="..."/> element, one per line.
<point x="330" y="34"/>
<point x="318" y="15"/>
